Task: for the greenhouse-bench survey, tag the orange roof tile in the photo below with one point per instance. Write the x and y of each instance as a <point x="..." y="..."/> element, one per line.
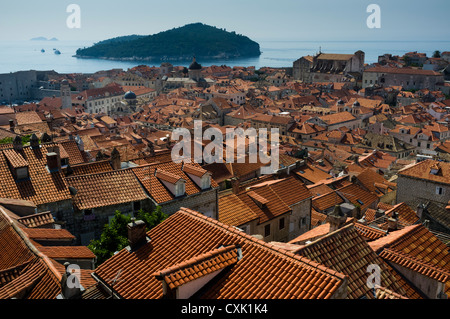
<point x="106" y="189"/>
<point x="199" y="266"/>
<point x="346" y="251"/>
<point x="48" y="234"/>
<point x="233" y="211"/>
<point x="156" y="189"/>
<point x="422" y="170"/>
<point x="37" y="220"/>
<point x="72" y="252"/>
<point x="42" y="187"/>
<point x="188" y="234"/>
<point x="74" y="154"/>
<point x="91" y="168"/>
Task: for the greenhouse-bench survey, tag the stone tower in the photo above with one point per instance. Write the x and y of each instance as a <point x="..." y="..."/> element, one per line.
<point x="66" y="96"/>
<point x="195" y="71"/>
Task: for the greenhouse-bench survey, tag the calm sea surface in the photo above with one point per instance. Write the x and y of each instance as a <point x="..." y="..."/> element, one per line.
<point x="27" y="55"/>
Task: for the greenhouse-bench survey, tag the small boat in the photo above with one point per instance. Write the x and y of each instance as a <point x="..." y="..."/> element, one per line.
<point x="57" y="52"/>
<point x="43" y="51"/>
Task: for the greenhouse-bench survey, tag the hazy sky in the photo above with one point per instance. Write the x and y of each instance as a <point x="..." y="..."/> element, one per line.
<point x="258" y="19"/>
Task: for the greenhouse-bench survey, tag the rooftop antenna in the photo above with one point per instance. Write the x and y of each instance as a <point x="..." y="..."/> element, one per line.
<point x="114" y="281"/>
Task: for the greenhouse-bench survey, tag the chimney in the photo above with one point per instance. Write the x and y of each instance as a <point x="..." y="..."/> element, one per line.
<point x="53" y="159"/>
<point x="115" y="159"/>
<point x="137" y="235"/>
<point x="336" y="219"/>
<point x="392" y="223"/>
<point x="17" y="144"/>
<point x="11" y="125"/>
<point x="71" y="287"/>
<point x="34" y="141"/>
<point x="235" y="185"/>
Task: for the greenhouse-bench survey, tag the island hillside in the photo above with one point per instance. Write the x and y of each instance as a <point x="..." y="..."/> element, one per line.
<point x="200" y="40"/>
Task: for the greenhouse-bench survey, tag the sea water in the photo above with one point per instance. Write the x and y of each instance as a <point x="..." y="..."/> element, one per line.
<point x="27" y="55"/>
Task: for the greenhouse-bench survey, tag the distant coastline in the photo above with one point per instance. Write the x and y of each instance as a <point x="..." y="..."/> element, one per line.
<point x="43" y="39"/>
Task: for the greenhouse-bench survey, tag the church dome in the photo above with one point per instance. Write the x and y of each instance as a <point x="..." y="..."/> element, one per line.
<point x="340" y="102"/>
<point x="195" y="66"/>
<point x="356" y="104"/>
<point x="130" y="95"/>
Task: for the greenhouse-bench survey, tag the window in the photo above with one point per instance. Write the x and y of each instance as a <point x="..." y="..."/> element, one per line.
<point x="206" y="182"/>
<point x="439" y="190"/>
<point x="302" y="222"/>
<point x="180" y="189"/>
<point x="281" y="224"/>
<point x="87" y="212"/>
<point x="266" y="230"/>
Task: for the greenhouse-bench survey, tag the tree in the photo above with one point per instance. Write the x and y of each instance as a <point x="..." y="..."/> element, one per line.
<point x="437" y="54"/>
<point x="115" y="234"/>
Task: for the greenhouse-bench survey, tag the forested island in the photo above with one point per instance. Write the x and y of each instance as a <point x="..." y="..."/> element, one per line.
<point x="178" y="44"/>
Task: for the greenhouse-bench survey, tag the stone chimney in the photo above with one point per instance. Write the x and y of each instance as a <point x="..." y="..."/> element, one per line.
<point x="53" y="159"/>
<point x="11" y="125"/>
<point x="115" y="159"/>
<point x="336" y="219"/>
<point x="137" y="235"/>
<point x="235" y="183"/>
<point x="17" y="144"/>
<point x="393" y="222"/>
<point x="34" y="141"/>
<point x="71" y="287"/>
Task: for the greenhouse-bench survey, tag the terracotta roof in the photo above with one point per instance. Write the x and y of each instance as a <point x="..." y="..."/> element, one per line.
<point x="24" y="272"/>
<point x="335" y="56"/>
<point x="15" y="158"/>
<point x="234" y="212"/>
<point x="91" y="168"/>
<point x="167" y="176"/>
<point x="336" y="118"/>
<point x="188" y="234"/>
<point x="326" y="201"/>
<point x="37" y="220"/>
<point x="422" y="170"/>
<point x="198" y="266"/>
<point x="384" y="293"/>
<point x="416" y="264"/>
<point x="154" y="186"/>
<point x="106" y="189"/>
<point x="369" y="179"/>
<point x="74" y="153"/>
<point x="405" y="214"/>
<point x="194" y="170"/>
<point x="42" y="187"/>
<point x="24" y="118"/>
<point x="70" y="252"/>
<point x="402" y="71"/>
<point x="358" y="196"/>
<point x="312" y="174"/>
<point x="48" y="234"/>
<point x="317" y="218"/>
<point x="346" y="251"/>
<point x="271" y="199"/>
